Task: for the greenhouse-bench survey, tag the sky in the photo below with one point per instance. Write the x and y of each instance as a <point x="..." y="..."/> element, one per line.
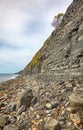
<point x="24" y="26"/>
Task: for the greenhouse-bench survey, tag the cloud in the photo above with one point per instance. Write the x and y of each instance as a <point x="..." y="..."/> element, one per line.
<point x="24" y="26"/>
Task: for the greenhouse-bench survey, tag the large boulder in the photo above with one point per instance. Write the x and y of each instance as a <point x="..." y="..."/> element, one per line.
<point x="26" y="98"/>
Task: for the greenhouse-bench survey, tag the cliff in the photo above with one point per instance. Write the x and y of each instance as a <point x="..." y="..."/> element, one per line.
<point x="62" y="53"/>
<point x="50" y="95"/>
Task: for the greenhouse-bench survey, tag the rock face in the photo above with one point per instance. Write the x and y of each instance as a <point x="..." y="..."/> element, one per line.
<point x="50" y="96"/>
<point x="62" y="53"/>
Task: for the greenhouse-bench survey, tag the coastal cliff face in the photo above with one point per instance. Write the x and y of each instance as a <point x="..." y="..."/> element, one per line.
<point x="50" y="94"/>
<point x="62" y="53"/>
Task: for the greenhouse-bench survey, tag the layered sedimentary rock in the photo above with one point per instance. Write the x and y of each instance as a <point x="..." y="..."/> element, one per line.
<point x="61" y="56"/>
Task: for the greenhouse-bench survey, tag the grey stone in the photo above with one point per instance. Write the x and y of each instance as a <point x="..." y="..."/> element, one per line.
<point x="26" y="98"/>
<point x="76" y="98"/>
<point x="3" y="120"/>
<point x="21" y="109"/>
<point x="34" y="101"/>
<point x="54" y="104"/>
<point x="56" y="59"/>
<point x="22" y="126"/>
<point x="75" y="101"/>
<point x="11" y="107"/>
<point x="48" y="106"/>
<point x="10" y="127"/>
<point x="51" y="124"/>
<point x="1" y="104"/>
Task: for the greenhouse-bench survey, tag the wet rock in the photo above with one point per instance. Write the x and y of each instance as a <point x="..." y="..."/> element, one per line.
<point x="51" y="124"/>
<point x="26" y="98"/>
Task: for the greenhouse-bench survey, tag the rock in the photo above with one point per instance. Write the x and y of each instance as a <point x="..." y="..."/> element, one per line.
<point x="23" y="114"/>
<point x="1" y="104"/>
<point x="75" y="118"/>
<point x="26" y="98"/>
<point x="20" y="110"/>
<point x="72" y="109"/>
<point x="60" y="60"/>
<point x="51" y="124"/>
<point x="69" y="124"/>
<point x="3" y="120"/>
<point x="22" y="126"/>
<point x="12" y="119"/>
<point x="68" y="84"/>
<point x="34" y="101"/>
<point x="54" y="104"/>
<point x="66" y="44"/>
<point x="10" y="127"/>
<point x="48" y="106"/>
<point x="5" y="96"/>
<point x="37" y="116"/>
<point x="76" y="99"/>
<point x="78" y="91"/>
<point x="11" y="107"/>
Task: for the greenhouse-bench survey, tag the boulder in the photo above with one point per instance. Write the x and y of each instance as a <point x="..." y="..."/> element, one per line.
<point x="75" y="118"/>
<point x="51" y="124"/>
<point x="3" y="120"/>
<point x="76" y="98"/>
<point x="26" y="98"/>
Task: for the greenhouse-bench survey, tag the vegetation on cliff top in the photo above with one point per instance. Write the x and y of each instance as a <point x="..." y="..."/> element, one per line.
<point x="57" y="20"/>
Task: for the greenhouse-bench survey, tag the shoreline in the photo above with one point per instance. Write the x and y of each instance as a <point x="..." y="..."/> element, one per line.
<point x="8" y="77"/>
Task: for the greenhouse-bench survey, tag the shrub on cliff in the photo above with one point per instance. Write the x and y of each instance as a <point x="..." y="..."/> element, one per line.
<point x="57" y="20"/>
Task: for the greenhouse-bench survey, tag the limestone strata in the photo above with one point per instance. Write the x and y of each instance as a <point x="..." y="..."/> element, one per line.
<point x="62" y="53"/>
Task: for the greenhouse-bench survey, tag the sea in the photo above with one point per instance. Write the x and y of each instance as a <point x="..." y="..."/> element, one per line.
<point x="5" y="77"/>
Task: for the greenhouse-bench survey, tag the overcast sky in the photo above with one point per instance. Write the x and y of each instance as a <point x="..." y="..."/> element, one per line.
<point x="24" y="26"/>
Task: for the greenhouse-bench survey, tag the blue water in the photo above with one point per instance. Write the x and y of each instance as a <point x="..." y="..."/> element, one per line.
<point x="5" y="77"/>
